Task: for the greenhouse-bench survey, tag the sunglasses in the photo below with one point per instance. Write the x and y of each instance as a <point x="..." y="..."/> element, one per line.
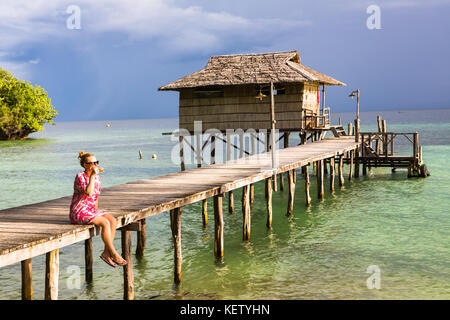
<point x="95" y="162"/>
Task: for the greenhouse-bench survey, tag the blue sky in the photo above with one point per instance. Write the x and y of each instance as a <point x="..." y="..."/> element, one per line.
<point x="112" y="66"/>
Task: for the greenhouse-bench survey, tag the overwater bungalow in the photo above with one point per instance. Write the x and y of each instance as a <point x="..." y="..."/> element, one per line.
<point x="233" y="91"/>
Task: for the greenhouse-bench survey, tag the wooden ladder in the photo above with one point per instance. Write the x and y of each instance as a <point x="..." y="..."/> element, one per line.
<point x="338" y="131"/>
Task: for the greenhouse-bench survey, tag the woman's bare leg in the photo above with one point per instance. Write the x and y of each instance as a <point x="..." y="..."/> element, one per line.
<point x="106" y="235"/>
<point x="111" y="225"/>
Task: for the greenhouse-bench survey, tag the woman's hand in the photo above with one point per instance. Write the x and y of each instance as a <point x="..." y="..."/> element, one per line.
<point x="94" y="171"/>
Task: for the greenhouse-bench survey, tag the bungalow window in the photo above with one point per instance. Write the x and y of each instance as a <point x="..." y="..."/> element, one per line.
<point x="209" y="92"/>
<point x="277" y="91"/>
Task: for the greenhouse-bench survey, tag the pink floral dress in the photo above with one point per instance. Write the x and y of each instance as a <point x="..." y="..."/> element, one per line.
<point x="82" y="208"/>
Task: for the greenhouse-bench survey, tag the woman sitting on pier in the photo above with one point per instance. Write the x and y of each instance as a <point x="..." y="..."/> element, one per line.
<point x="84" y="207"/>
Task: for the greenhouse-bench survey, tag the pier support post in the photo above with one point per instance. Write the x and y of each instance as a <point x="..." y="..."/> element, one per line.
<point x="350" y="167"/>
<point x="128" y="281"/>
<point x="246" y="210"/>
<point x="275" y="183"/>
<point x="205" y="212"/>
<point x="230" y="193"/>
<point x="341" y="170"/>
<point x="269" y="205"/>
<point x="308" y="197"/>
<point x="51" y="275"/>
<point x="290" y="208"/>
<point x="182" y="165"/>
<point x="88" y="260"/>
<point x="27" y="285"/>
<point x="320" y="193"/>
<point x="230" y="202"/>
<point x="175" y="223"/>
<point x="356" y="154"/>
<point x="252" y="193"/>
<point x="332" y="173"/>
<point x="141" y="239"/>
<point x="218" y="226"/>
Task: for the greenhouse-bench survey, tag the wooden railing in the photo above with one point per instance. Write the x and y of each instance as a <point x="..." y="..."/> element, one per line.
<point x="316" y="121"/>
<point x="381" y="144"/>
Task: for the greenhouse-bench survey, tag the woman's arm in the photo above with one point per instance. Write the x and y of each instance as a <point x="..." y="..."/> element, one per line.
<point x="90" y="188"/>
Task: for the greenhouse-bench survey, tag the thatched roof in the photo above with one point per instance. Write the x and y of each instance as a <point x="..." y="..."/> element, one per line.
<point x="279" y="67"/>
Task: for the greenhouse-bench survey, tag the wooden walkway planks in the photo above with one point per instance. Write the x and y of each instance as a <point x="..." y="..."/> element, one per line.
<point x="35" y="229"/>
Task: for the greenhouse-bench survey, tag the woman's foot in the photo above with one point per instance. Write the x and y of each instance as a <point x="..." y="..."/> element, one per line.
<point x="107" y="259"/>
<point x="119" y="260"/>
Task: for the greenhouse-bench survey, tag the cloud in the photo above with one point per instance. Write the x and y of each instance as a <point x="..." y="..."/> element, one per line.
<point x="19" y="70"/>
<point x="176" y="28"/>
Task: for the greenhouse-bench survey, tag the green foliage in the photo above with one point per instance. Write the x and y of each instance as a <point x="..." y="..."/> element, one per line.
<point x="24" y="108"/>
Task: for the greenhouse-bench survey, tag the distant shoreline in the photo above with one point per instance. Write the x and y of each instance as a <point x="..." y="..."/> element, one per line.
<point x="173" y="118"/>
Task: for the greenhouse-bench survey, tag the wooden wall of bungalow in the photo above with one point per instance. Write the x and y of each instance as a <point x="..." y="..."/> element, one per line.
<point x="235" y="107"/>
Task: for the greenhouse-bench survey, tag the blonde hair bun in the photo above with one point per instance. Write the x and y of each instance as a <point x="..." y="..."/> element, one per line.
<point x="83" y="156"/>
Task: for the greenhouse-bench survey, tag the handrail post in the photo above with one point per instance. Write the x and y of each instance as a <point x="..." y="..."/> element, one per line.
<point x="416" y="146"/>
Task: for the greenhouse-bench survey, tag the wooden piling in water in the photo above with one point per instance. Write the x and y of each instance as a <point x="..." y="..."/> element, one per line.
<point x="205" y="212"/>
<point x="51" y="275"/>
<point x="128" y="280"/>
<point x="341" y="170"/>
<point x="281" y="181"/>
<point x="307" y="194"/>
<point x="230" y="202"/>
<point x="356" y="160"/>
<point x="350" y="168"/>
<point x="175" y="223"/>
<point x="290" y="209"/>
<point x="182" y="165"/>
<point x="378" y="144"/>
<point x="27" y="285"/>
<point x="246" y="225"/>
<point x="141" y="239"/>
<point x="332" y="173"/>
<point x="269" y="204"/>
<point x="218" y="226"/>
<point x="320" y="188"/>
<point x="88" y="260"/>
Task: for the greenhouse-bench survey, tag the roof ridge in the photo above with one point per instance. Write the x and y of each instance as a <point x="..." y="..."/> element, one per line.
<point x="253" y="54"/>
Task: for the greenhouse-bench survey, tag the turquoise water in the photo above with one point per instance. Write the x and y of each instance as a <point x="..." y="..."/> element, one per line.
<point x="383" y="219"/>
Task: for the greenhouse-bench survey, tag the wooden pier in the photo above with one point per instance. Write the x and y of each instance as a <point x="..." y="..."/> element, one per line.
<point x="44" y="228"/>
